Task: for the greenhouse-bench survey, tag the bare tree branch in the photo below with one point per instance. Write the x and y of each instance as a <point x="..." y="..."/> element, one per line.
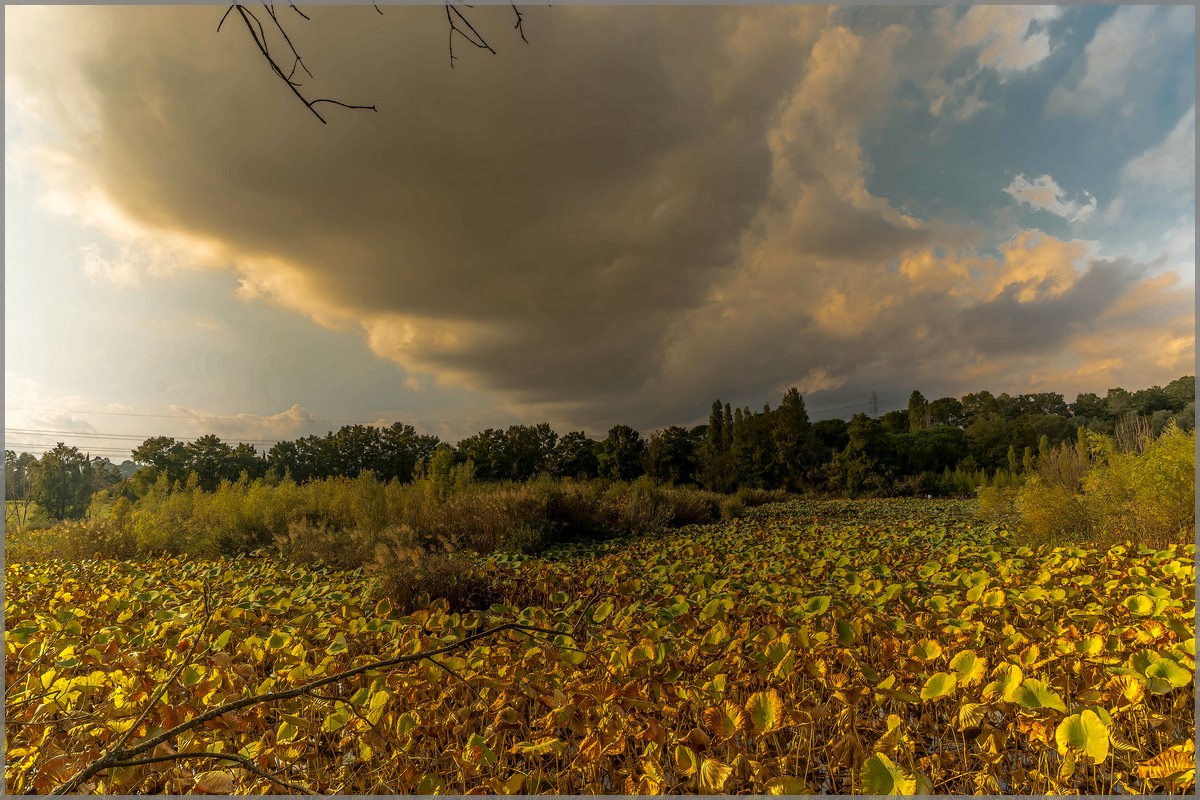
<point x="162" y="689"/>
<point x="520" y="22"/>
<point x="245" y="762"/>
<point x="454" y="17"/>
<point x="474" y="38"/>
<point x="465" y="682"/>
<point x="260" y="41"/>
<point x="117" y="756"/>
<point x="299" y="61"/>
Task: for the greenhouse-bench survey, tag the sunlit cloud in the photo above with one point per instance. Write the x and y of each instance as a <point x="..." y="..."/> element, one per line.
<point x="1043" y="193"/>
<point x="1114" y="61"/>
<point x="641" y="210"/>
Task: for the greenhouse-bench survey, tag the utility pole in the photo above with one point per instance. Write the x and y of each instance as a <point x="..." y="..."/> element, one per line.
<point x="874" y="405"/>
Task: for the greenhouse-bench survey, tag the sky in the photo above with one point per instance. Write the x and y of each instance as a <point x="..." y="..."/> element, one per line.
<point x="639" y="210"/>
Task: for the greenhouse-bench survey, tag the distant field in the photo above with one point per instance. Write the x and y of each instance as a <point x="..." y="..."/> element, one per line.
<point x="847" y="647"/>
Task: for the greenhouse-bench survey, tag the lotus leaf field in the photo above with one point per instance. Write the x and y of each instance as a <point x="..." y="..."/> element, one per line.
<point x="874" y="647"/>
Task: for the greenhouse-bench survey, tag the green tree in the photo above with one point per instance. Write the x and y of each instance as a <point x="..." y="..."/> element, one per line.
<point x="1088" y="405"/>
<point x="671" y="455"/>
<point x="166" y="456"/>
<point x="754" y="458"/>
<point x="62" y="482"/>
<point x="354" y="449"/>
<point x="864" y="463"/>
<point x="988" y="438"/>
<point x="895" y="422"/>
<point x="529" y="450"/>
<point x="716" y="470"/>
<point x="918" y="412"/>
<point x="401" y="447"/>
<point x="1181" y="392"/>
<point x="211" y="460"/>
<point x="976" y="404"/>
<point x="795" y="443"/>
<point x="622" y="454"/>
<point x="577" y="456"/>
<point x="488" y="450"/>
<point x="18" y="487"/>
<point x="947" y="411"/>
<point x="1117" y="403"/>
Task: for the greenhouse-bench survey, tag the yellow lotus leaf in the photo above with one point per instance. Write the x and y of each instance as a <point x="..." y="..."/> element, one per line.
<point x="787" y="785"/>
<point x="1033" y="694"/>
<point x="970" y="715"/>
<point x="1167" y="763"/>
<point x="429" y="784"/>
<point x="847" y="751"/>
<point x="1127" y="686"/>
<point x="1083" y="734"/>
<point x="968" y="667"/>
<point x="938" y="685"/>
<point x="713" y="776"/>
<point x="764" y="710"/>
<point x="724" y="720"/>
<point x="993" y="599"/>
<point x="927" y="650"/>
<point x="1169" y="672"/>
<point x="698" y="740"/>
<point x="1009" y="677"/>
<point x="1118" y="741"/>
<point x="880" y="776"/>
<point x="546" y="746"/>
<point x="685" y="761"/>
<point x="214" y="782"/>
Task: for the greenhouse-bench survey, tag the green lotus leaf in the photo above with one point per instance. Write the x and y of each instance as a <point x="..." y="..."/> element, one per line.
<point x="927" y="650"/>
<point x="1033" y="694"/>
<point x="1140" y="604"/>
<point x="939" y="685"/>
<point x="1083" y="734"/>
<point x="817" y="605"/>
<point x="1168" y="670"/>
<point x="881" y="776"/>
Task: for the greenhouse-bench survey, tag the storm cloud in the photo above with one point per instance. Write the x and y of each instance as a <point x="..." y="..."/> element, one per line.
<point x="640" y="209"/>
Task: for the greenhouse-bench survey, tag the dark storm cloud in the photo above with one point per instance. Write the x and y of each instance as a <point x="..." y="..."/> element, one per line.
<point x="640" y="210"/>
<point x="1006" y="326"/>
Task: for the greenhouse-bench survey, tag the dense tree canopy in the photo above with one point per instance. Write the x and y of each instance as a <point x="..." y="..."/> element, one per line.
<point x="948" y="445"/>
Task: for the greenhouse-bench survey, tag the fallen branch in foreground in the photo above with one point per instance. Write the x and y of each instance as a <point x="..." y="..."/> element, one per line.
<point x="128" y="756"/>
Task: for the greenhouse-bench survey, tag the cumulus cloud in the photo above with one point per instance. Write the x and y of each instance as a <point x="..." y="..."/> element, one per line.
<point x="1009" y="38"/>
<point x="291" y="423"/>
<point x="1169" y="166"/>
<point x="1044" y="193"/>
<point x="1126" y="48"/>
<point x="642" y="207"/>
<point x="1005" y="41"/>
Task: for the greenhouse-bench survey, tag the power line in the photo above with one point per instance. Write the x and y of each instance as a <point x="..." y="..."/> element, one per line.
<point x="44" y="446"/>
<point x="839" y="408"/>
<point x="245" y="417"/>
<point x="132" y="436"/>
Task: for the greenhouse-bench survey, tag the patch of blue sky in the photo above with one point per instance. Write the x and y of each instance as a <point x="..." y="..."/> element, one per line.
<point x="957" y="169"/>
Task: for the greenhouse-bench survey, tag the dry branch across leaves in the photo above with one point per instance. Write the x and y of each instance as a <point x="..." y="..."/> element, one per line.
<point x="122" y="757"/>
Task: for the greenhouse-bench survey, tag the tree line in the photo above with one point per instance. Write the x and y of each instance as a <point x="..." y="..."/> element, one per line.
<point x="945" y="446"/>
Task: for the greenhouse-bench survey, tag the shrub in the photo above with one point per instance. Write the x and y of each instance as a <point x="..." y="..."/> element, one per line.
<point x="752" y="498"/>
<point x="411" y="577"/>
<point x="308" y="543"/>
<point x="1141" y="491"/>
<point x="693" y="506"/>
<point x="732" y="507"/>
